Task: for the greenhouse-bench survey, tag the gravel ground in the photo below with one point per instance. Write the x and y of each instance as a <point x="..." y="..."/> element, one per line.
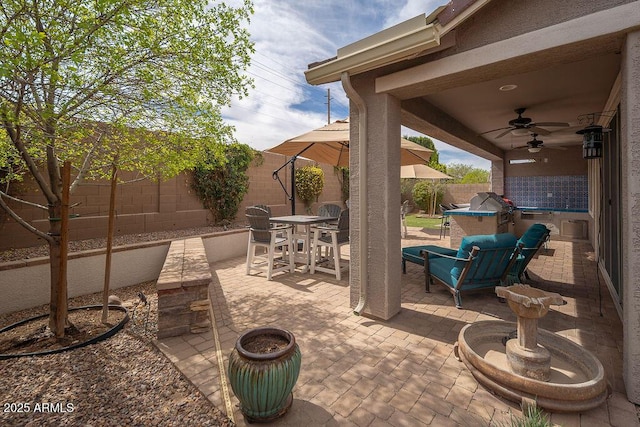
<point x="122" y="381"/>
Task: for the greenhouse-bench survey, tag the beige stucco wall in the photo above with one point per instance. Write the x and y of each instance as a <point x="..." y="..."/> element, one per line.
<point x="29" y="285"/>
<point x="548" y="162"/>
<point x="630" y="150"/>
<point x="147" y="206"/>
<point x="512" y="18"/>
<point x="26" y="284"/>
<point x="382" y="267"/>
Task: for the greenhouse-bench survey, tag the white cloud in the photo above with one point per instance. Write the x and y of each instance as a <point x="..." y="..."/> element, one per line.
<point x="288" y="36"/>
<point x="412" y="8"/>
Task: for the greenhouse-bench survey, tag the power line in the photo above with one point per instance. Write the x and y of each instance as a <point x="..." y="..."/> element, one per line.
<point x="279" y="85"/>
<point x="309" y="89"/>
<point x="274" y="72"/>
<point x="279" y="74"/>
<point x="273" y="60"/>
<point x="270" y="81"/>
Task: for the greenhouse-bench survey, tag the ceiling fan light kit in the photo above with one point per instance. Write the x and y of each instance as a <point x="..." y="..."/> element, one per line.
<point x="533" y="146"/>
<point x="520" y="132"/>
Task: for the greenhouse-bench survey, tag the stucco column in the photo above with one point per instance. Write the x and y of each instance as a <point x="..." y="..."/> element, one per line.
<point x="630" y="161"/>
<point x="382" y="266"/>
<point x="497" y="176"/>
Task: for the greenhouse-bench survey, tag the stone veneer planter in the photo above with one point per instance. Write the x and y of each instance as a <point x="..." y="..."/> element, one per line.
<point x="183" y="289"/>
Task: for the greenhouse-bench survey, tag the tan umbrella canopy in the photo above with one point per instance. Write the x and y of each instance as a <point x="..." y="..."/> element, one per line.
<point x="421" y="171"/>
<point x="330" y="144"/>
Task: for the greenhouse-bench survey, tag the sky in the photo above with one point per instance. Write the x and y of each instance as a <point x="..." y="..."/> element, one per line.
<point x="290" y="34"/>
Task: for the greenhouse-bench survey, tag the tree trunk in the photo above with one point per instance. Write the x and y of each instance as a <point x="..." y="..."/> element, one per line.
<point x="58" y="247"/>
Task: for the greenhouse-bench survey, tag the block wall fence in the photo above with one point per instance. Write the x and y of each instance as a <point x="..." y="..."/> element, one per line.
<point x="148" y="206"/>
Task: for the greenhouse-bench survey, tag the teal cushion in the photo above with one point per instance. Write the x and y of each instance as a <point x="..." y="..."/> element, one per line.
<point x="532" y="236"/>
<point x="483" y="241"/>
<point x="530" y="240"/>
<point x="441" y="268"/>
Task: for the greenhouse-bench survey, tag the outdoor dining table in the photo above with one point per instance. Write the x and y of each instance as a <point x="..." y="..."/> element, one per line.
<point x="307" y="221"/>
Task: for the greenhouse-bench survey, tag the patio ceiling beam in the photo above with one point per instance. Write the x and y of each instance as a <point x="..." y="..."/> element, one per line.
<point x="566" y="42"/>
<point x="421" y="116"/>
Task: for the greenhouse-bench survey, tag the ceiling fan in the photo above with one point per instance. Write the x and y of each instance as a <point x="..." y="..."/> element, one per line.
<point x="527" y="124"/>
<point x="535" y="145"/>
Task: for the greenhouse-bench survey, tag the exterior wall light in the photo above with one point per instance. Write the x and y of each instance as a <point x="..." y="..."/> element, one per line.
<point x="592" y="141"/>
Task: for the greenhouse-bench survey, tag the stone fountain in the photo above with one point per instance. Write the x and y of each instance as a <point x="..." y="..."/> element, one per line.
<point x="535" y="365"/>
<point x="525" y="356"/>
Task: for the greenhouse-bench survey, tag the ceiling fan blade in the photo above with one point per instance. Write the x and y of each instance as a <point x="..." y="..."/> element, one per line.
<point x="504" y="133"/>
<point x="494" y="130"/>
<point x="539" y="131"/>
<point x="558" y="124"/>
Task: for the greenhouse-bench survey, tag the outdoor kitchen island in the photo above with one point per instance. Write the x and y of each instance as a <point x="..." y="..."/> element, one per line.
<point x="487" y="213"/>
<point x="467" y="222"/>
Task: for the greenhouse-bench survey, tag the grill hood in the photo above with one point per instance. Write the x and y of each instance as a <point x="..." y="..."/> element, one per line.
<point x="488" y="201"/>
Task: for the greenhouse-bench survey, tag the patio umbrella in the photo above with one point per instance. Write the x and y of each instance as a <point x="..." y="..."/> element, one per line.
<point x="424" y="172"/>
<point x="421" y="171"/>
<point x="330" y="144"/>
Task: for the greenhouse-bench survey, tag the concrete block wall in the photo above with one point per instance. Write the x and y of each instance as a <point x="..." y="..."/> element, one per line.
<point x="147" y="206"/>
<point x="462" y="193"/>
<point x="263" y="189"/>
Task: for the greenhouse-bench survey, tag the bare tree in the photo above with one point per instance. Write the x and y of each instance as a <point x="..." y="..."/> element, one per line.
<point x="85" y="82"/>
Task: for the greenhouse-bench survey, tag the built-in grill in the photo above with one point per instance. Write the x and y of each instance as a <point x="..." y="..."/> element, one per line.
<point x="490" y="201"/>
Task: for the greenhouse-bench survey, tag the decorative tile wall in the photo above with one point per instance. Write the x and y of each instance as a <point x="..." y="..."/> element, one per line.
<point x="549" y="192"/>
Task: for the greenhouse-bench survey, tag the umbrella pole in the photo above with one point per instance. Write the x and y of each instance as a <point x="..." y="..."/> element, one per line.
<point x="275" y="176"/>
<point x="293" y="185"/>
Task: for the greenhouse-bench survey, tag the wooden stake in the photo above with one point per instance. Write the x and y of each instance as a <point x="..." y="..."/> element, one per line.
<point x="110" y="232"/>
<point x="61" y="311"/>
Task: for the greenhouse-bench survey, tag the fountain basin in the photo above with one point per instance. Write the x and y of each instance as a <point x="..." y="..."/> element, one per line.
<point x="528" y="302"/>
<point x="576" y="382"/>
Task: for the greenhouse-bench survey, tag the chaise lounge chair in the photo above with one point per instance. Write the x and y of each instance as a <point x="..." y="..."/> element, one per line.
<point x="481" y="262"/>
<point x="532" y="239"/>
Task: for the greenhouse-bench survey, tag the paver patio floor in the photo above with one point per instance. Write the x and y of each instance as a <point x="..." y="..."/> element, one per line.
<point x="362" y="371"/>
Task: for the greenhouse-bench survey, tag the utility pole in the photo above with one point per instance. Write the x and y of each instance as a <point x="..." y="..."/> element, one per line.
<point x="328" y="106"/>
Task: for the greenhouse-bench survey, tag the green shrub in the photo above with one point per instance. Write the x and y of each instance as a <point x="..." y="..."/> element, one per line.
<point x="427" y="195"/>
<point x="343" y="177"/>
<point x="532" y="416"/>
<point x="221" y="182"/>
<point x="406" y="189"/>
<point x="309" y="184"/>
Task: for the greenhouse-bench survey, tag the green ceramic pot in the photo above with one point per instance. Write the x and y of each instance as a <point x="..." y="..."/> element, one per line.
<point x="263" y="368"/>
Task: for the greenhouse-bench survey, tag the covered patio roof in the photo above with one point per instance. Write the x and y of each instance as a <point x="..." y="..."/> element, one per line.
<point x="489" y="77"/>
<point x="563" y="72"/>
